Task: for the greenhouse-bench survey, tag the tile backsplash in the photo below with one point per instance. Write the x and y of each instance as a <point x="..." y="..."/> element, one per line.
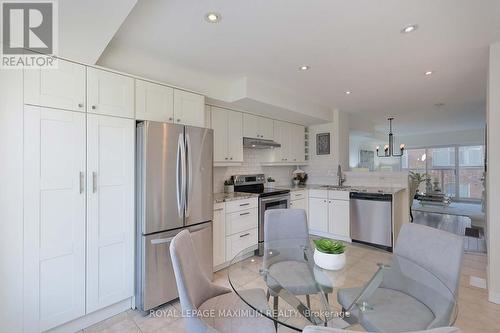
<point x="251" y="165"/>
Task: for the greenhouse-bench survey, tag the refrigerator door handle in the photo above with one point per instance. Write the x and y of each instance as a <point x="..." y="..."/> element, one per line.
<point x="181" y="180"/>
<point x="189" y="174"/>
<point x="161" y="240"/>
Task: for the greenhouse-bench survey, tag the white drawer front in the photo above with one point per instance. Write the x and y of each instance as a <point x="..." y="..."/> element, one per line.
<point x="237" y="205"/>
<point x="338" y="195"/>
<point x="323" y="194"/>
<point x="241" y="221"/>
<point x="297" y="195"/>
<point x="240" y="241"/>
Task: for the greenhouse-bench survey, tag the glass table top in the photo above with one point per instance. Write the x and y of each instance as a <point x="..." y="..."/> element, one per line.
<point x="300" y="293"/>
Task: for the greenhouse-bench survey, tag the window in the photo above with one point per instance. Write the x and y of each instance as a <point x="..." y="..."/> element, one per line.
<point x="456" y="170"/>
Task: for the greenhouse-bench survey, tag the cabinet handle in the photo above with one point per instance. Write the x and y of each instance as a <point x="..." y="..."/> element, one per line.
<point x="81" y="182"/>
<point x="94" y="182"/>
<point x="230" y="158"/>
<point x="329" y="201"/>
<point x="324" y="200"/>
<point x="80" y="105"/>
<point x="178" y="120"/>
<point x="94" y="107"/>
<point x="225" y="158"/>
<point x="244" y="235"/>
<point x="170" y="118"/>
<point x="245" y="204"/>
<point x="243" y="214"/>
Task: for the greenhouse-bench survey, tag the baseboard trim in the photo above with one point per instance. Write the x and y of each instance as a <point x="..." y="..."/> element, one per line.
<point x="329" y="235"/>
<point x="494" y="297"/>
<point x="94" y="317"/>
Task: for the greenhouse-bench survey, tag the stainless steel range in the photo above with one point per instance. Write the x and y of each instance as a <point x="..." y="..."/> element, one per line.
<point x="269" y="198"/>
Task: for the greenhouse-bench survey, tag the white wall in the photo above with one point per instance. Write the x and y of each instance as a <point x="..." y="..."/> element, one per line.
<point x="468" y="137"/>
<point x="11" y="200"/>
<point x="493" y="176"/>
<point x="251" y="165"/>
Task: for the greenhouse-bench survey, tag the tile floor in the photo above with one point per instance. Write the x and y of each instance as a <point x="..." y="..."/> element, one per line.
<point x="476" y="314"/>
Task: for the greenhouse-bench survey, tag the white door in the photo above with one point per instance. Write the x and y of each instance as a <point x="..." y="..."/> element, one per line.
<point x="153" y="102"/>
<point x="250" y="126"/>
<point x="110" y="210"/>
<point x="219" y="125"/>
<point x="61" y="88"/>
<point x="235" y="136"/>
<point x="189" y="108"/>
<point x="219" y="234"/>
<point x="110" y="93"/>
<point x="318" y="214"/>
<point x="297" y="143"/>
<point x="338" y="219"/>
<point x="266" y="128"/>
<point x="54" y="217"/>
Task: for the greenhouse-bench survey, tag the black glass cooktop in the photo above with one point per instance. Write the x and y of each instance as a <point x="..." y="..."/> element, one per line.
<point x="261" y="190"/>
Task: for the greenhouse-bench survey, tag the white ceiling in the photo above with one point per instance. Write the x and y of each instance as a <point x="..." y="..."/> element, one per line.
<point x="349" y="44"/>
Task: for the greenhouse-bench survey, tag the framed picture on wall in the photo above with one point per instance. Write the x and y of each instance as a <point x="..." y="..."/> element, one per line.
<point x="323" y="144"/>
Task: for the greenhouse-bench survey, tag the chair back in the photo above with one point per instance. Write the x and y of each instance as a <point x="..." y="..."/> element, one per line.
<point x="283" y="224"/>
<point x="193" y="285"/>
<point x="437" y="251"/>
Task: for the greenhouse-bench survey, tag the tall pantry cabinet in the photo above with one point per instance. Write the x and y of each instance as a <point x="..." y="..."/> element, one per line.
<point x="78" y="193"/>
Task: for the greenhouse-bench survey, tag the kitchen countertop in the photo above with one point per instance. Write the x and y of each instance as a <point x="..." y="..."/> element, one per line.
<point x="224" y="197"/>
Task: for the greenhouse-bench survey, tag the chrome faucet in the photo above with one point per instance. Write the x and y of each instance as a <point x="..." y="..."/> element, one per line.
<point x="340" y="178"/>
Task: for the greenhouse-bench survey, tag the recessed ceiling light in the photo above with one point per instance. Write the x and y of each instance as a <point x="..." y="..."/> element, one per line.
<point x="348" y="92"/>
<point x="304" y="68"/>
<point x="409" y="28"/>
<point x="429" y="73"/>
<point x="213" y="17"/>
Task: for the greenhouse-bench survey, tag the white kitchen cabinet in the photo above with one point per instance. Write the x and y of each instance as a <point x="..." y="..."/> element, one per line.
<point x="257" y="127"/>
<point x="297" y="143"/>
<point x="109" y="93"/>
<point x="54" y="217"/>
<point x="299" y="204"/>
<point x="299" y="200"/>
<point x="153" y="101"/>
<point x="219" y="235"/>
<point x="61" y="88"/>
<point x="228" y="135"/>
<point x="110" y="210"/>
<point x="189" y="108"/>
<point x="338" y="218"/>
<point x="318" y="214"/>
<point x="240" y="241"/>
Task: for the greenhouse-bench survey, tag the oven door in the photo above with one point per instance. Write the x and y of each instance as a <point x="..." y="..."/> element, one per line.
<point x="271" y="202"/>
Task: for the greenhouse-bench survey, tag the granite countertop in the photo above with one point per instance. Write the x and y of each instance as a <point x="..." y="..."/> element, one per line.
<point x="365" y="189"/>
<point x="224" y="197"/>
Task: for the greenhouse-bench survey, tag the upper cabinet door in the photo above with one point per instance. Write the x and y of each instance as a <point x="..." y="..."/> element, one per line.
<point x="61" y="88"/>
<point x="282" y="132"/>
<point x="297" y="143"/>
<point x="153" y="102"/>
<point x="110" y="210"/>
<point x="251" y="126"/>
<point x="189" y="108"/>
<point x="266" y="128"/>
<point x="235" y="136"/>
<point x="219" y="125"/>
<point x="54" y="217"/>
<point x="109" y="93"/>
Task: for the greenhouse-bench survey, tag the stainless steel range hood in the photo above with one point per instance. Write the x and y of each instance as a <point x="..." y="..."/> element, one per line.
<point x="259" y="143"/>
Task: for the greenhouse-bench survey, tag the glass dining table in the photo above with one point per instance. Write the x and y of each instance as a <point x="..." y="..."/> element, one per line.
<point x="300" y="293"/>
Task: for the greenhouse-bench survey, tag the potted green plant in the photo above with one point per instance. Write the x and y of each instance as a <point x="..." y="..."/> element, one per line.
<point x="229" y="185"/>
<point x="270" y="182"/>
<point x="329" y="254"/>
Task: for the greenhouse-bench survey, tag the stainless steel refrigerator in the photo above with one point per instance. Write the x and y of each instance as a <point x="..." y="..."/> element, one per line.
<point x="174" y="192"/>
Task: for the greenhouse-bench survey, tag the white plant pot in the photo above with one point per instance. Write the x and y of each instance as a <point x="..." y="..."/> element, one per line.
<point x="228" y="188"/>
<point x="270" y="184"/>
<point x="328" y="261"/>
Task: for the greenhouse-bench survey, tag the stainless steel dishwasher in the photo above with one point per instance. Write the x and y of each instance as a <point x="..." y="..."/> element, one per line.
<point x="371" y="219"/>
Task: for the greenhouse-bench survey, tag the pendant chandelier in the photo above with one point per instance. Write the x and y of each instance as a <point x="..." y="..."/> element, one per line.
<point x="389" y="149"/>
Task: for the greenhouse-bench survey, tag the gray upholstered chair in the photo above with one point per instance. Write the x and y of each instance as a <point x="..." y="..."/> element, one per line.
<point x="416" y="301"/>
<point x="199" y="295"/>
<point x="319" y="329"/>
<point x="281" y="226"/>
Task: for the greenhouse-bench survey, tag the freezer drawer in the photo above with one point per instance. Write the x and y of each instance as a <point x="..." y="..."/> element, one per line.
<point x="156" y="283"/>
<point x="371" y="221"/>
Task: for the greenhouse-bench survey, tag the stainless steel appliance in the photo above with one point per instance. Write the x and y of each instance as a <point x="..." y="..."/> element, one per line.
<point x="269" y="198"/>
<point x="371" y="219"/>
<point x="174" y="192"/>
